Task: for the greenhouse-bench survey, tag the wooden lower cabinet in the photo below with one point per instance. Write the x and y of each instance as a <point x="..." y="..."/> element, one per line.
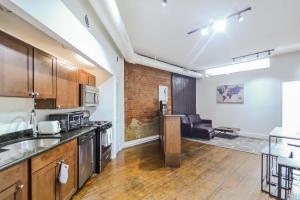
<point x="44" y="183"/>
<point x="14" y="182"/>
<point x="45" y="172"/>
<point x="65" y="191"/>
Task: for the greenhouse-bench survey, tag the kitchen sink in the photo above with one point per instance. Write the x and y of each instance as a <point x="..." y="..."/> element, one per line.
<point x="21" y="149"/>
<point x="32" y="144"/>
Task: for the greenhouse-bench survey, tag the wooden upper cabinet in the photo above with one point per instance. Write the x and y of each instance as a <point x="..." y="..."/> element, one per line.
<point x="92" y="80"/>
<point x="83" y="77"/>
<point x="15" y="67"/>
<point x="67" y="86"/>
<point x="14" y="182"/>
<point x="86" y="78"/>
<point x="44" y="75"/>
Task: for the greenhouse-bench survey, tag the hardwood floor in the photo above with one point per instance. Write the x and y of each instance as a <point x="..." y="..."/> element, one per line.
<point x="206" y="172"/>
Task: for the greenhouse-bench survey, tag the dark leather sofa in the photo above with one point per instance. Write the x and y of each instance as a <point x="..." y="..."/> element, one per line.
<point x="192" y="126"/>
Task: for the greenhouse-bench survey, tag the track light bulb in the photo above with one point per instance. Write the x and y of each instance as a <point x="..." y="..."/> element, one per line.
<point x="164" y="3"/>
<point x="204" y="31"/>
<point x="240" y="18"/>
<point x="220" y="26"/>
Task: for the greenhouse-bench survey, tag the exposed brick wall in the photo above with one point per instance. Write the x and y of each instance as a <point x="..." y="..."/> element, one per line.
<point x="141" y="100"/>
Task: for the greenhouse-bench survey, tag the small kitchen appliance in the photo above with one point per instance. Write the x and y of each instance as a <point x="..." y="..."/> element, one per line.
<point x="49" y="127"/>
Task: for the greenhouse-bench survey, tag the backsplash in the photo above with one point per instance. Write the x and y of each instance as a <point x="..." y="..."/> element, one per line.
<point x="15" y="114"/>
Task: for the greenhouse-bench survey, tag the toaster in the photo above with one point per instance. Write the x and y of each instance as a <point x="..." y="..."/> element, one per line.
<point x="49" y="127"/>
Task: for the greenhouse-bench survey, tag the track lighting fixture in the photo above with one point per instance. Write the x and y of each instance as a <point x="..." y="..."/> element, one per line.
<point x="164" y="2"/>
<point x="253" y="56"/>
<point x="219" y="26"/>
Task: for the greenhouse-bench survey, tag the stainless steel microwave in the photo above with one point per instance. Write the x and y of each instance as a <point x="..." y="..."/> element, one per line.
<point x="89" y="96"/>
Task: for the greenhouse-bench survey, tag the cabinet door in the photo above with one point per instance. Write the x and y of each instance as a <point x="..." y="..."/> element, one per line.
<point x="92" y="80"/>
<point x="83" y="77"/>
<point x="15" y="67"/>
<point x="43" y="185"/>
<point x="44" y="75"/>
<point x="67" y="86"/>
<point x="14" y="182"/>
<point x="13" y="192"/>
<point x="66" y="191"/>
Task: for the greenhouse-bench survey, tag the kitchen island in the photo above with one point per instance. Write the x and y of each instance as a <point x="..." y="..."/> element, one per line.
<point x="170" y="139"/>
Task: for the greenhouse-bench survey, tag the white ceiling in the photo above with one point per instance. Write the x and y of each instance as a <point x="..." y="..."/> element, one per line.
<point x="161" y="32"/>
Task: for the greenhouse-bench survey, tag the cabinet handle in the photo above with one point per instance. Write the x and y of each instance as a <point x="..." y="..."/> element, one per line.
<point x="60" y="162"/>
<point x="37" y="94"/>
<point x="31" y="94"/>
<point x="20" y="186"/>
<point x="58" y="106"/>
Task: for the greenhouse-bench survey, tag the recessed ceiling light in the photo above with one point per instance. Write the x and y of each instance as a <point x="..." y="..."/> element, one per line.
<point x="220" y="26"/>
<point x="164" y="3"/>
<point x="204" y="31"/>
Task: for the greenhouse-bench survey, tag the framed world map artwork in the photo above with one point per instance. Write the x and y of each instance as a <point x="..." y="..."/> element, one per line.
<point x="230" y="93"/>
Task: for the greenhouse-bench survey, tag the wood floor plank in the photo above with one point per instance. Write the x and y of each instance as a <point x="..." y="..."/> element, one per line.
<point x="207" y="172"/>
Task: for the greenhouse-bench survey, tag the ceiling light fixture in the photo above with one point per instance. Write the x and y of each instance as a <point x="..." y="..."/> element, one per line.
<point x="239" y="67"/>
<point x="164" y="2"/>
<point x="220" y="26"/>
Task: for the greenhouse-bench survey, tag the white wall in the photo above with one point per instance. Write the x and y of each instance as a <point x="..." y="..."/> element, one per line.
<point x="291" y="106"/>
<point x="262" y="108"/>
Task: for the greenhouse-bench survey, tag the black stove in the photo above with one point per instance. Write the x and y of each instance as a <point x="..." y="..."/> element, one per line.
<point x="103" y="151"/>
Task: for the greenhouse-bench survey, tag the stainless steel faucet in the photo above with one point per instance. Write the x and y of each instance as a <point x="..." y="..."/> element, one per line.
<point x="33" y="122"/>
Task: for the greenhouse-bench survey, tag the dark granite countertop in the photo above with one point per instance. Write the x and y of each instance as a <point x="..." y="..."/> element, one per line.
<point x="9" y="157"/>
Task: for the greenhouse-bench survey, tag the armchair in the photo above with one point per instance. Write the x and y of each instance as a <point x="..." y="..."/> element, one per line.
<point x="195" y="127"/>
<point x="186" y="127"/>
<point x="195" y="120"/>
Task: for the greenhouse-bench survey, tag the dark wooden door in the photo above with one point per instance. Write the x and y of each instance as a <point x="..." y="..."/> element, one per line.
<point x="44" y="75"/>
<point x="67" y="86"/>
<point x="183" y="94"/>
<point x="15" y="67"/>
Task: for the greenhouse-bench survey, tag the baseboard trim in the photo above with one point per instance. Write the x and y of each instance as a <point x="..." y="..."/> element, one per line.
<point x="140" y="141"/>
<point x="253" y="135"/>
